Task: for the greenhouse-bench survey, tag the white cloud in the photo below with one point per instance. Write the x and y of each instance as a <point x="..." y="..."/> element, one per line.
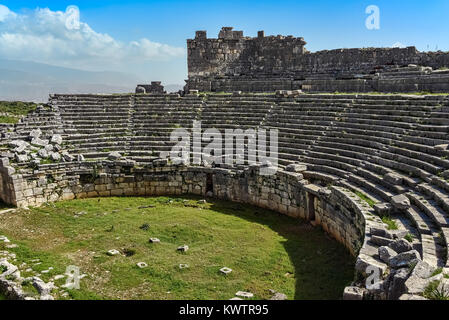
<point x="60" y="38"/>
<point x="5" y="12"/>
<point x="398" y="45"/>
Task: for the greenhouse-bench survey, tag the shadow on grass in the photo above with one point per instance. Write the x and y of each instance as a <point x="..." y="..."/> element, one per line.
<point x="320" y="266"/>
<point x="323" y="267"/>
<point x="4" y="206"/>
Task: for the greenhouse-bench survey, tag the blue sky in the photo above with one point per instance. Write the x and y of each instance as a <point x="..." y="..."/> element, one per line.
<point x="324" y="24"/>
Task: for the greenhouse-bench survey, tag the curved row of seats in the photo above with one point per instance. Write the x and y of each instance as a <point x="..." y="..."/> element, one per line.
<point x="358" y="142"/>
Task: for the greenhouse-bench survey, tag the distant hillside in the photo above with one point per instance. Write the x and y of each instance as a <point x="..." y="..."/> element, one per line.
<point x="11" y="112"/>
<point x="30" y="81"/>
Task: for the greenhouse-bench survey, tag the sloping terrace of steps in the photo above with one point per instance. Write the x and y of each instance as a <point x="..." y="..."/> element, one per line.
<point x="48" y="120"/>
<point x="140" y="125"/>
<point x="381" y="145"/>
<point x="137" y="125"/>
<point x="155" y="118"/>
<point x="94" y="124"/>
<point x="377" y="145"/>
<point x="228" y="113"/>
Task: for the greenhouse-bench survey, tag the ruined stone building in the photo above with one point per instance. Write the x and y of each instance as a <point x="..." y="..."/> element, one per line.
<point x="233" y="62"/>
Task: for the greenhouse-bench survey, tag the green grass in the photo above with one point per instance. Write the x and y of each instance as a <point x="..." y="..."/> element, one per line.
<point x="17" y="107"/>
<point x="365" y="198"/>
<point x="29" y="289"/>
<point x="437" y="272"/>
<point x="15" y="110"/>
<point x="391" y="224"/>
<point x="433" y="292"/>
<point x="265" y="250"/>
<point x="9" y="119"/>
<point x="409" y="237"/>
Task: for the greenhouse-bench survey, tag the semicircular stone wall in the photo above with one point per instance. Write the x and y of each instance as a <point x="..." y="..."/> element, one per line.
<point x="337" y="210"/>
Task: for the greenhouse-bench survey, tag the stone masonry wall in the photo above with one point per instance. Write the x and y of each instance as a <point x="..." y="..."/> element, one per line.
<point x="337" y="210"/>
<point x="418" y="84"/>
<point x="233" y="62"/>
<point x="233" y="54"/>
<point x="285" y="192"/>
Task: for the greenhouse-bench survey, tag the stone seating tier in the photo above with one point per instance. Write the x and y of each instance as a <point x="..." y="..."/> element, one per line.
<point x="378" y="145"/>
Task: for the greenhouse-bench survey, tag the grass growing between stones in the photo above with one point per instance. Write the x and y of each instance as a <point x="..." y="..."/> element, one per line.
<point x="391" y="224"/>
<point x="264" y="249"/>
<point x="434" y="291"/>
<point x="409" y="237"/>
<point x="365" y="198"/>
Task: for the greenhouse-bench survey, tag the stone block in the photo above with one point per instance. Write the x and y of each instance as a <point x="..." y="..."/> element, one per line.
<point x="393" y="179"/>
<point x="417" y="285"/>
<point x="382" y="209"/>
<point x="39" y="142"/>
<point x="397" y="286"/>
<point x="400" y="202"/>
<point x="56" y="139"/>
<point x="35" y="133"/>
<point x="353" y="293"/>
<point x="365" y="261"/>
<point x="386" y="253"/>
<point x="423" y="270"/>
<point x="401" y="246"/>
<point x="405" y="259"/>
<point x="296" y="168"/>
<point x="381" y="241"/>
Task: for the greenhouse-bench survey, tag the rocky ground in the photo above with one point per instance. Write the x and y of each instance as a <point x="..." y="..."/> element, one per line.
<point x="14" y="286"/>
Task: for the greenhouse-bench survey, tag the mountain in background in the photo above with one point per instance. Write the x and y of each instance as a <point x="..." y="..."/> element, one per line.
<point x="31" y="81"/>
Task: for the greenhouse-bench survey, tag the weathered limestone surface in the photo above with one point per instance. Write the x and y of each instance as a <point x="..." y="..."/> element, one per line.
<point x="11" y="283"/>
<point x="336" y="151"/>
<point x="233" y="62"/>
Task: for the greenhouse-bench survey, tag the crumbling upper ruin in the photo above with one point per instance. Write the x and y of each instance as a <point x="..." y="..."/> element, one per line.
<point x="233" y="62"/>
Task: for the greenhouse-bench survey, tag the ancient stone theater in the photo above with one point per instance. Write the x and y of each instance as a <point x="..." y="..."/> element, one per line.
<point x="363" y="134"/>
